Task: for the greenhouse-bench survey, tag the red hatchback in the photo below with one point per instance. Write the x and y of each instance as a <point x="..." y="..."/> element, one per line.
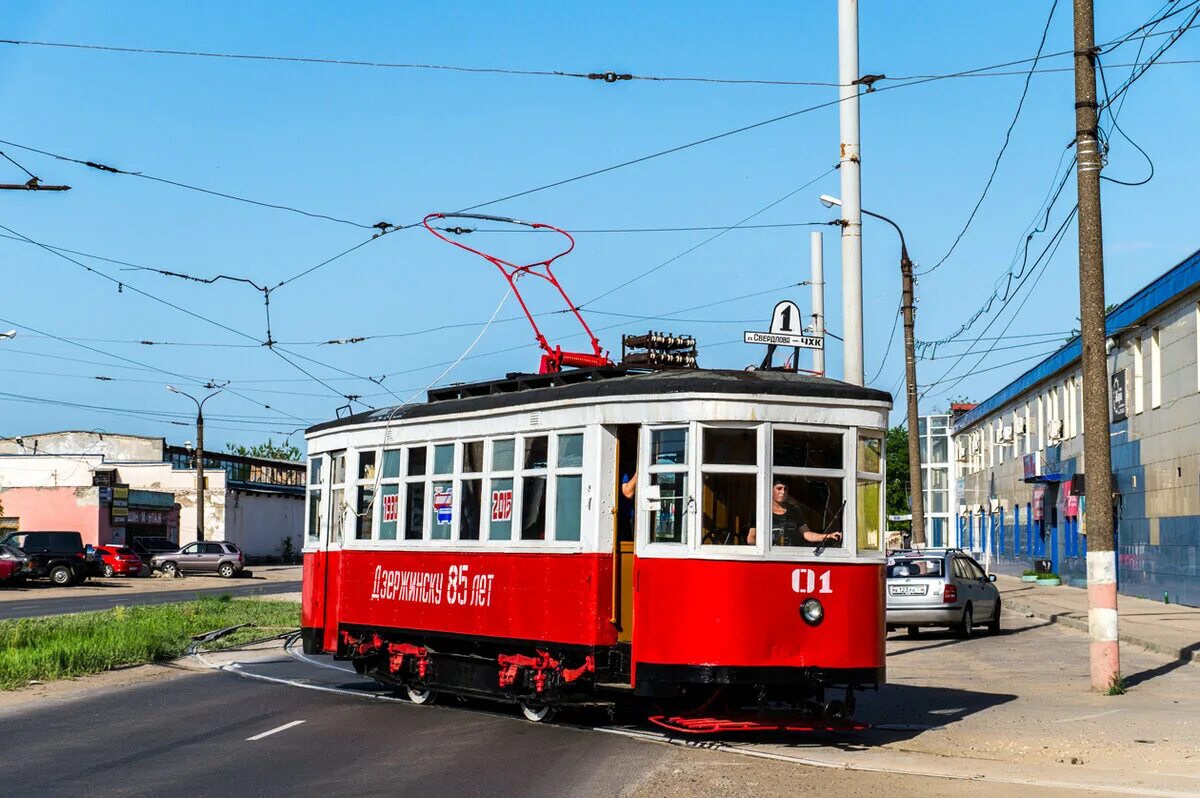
<point x="119" y="561"/>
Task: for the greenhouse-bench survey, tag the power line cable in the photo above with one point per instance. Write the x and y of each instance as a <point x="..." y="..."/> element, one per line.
<point x="606" y="77"/>
<point x="708" y="240"/>
<point x="1045" y="257"/>
<point x="1024" y="359"/>
<point x="179" y="184"/>
<point x="1003" y="147"/>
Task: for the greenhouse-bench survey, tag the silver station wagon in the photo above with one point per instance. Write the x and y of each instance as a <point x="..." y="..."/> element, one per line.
<point x="940" y="587"/>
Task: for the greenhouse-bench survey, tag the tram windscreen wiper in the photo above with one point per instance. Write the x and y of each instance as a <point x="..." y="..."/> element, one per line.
<point x="829" y="526"/>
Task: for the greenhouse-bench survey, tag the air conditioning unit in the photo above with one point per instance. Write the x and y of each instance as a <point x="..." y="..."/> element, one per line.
<point x="975" y="445"/>
<point x="1056" y="429"/>
<point x="1019" y="426"/>
<point x="1006" y="435"/>
<point x="960" y="456"/>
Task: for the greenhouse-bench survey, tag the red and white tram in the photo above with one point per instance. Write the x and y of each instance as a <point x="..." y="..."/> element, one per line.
<point x="481" y="543"/>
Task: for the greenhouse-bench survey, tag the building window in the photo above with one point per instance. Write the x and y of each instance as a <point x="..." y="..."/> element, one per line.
<point x="1139" y="375"/>
<point x="1041" y="423"/>
<point x="1155" y="369"/>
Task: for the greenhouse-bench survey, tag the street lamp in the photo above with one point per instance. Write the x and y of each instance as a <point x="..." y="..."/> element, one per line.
<point x="199" y="451"/>
<point x="910" y="377"/>
<point x="6" y="336"/>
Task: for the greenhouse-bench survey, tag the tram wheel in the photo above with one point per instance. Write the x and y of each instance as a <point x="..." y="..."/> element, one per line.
<point x="538" y="712"/>
<point x="420" y="695"/>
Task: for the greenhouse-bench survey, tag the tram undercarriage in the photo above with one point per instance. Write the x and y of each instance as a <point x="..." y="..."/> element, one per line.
<point x="543" y="678"/>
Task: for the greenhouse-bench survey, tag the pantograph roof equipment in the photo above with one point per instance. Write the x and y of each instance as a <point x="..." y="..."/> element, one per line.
<point x="555" y="358"/>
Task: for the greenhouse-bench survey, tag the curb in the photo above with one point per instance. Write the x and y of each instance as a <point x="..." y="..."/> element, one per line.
<point x="1189" y="654"/>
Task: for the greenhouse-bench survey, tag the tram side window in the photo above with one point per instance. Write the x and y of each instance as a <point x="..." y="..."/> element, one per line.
<point x="807" y="497"/>
<point x="568" y="487"/>
<point x="533" y="488"/>
<point x="337" y="497"/>
<point x="668" y="471"/>
<point x="729" y="486"/>
<point x="389" y="495"/>
<point x="870" y="492"/>
<point x="501" y="489"/>
<point x="414" y="489"/>
<point x="315" y="474"/>
<point x="471" y="490"/>
<point x="364" y="509"/>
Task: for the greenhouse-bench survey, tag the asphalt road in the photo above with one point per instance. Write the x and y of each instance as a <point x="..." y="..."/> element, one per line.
<point x="191" y="736"/>
<point x="29" y="608"/>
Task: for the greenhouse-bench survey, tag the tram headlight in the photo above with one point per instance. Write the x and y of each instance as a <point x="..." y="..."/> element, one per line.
<point x="812" y="612"/>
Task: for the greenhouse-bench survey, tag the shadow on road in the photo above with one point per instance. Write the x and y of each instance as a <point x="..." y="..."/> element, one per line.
<point x="948" y="637"/>
<point x="1185" y="658"/>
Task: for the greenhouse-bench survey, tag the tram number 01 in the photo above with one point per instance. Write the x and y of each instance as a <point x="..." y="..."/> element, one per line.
<point x="806" y="580"/>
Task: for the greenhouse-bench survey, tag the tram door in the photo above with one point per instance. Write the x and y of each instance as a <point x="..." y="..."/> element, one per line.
<point x="625" y="481"/>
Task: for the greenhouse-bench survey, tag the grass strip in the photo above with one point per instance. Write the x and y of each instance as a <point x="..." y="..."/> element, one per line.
<point x="60" y="647"/>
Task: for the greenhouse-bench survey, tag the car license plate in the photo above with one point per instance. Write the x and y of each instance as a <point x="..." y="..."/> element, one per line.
<point x="907" y="590"/>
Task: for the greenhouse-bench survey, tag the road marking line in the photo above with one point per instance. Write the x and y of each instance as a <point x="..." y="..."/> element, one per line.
<point x="276" y="730"/>
<point x="1086" y="717"/>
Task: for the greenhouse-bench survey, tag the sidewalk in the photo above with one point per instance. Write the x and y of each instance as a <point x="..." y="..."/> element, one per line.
<point x="1170" y="629"/>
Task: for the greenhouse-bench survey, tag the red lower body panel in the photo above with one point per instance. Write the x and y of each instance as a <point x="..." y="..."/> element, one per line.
<point x="556" y="598"/>
<point x="737" y="613"/>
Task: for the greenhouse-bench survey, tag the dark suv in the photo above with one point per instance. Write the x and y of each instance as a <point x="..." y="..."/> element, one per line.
<point x="57" y="555"/>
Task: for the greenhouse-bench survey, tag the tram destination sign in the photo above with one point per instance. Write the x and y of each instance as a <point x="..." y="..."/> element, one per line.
<point x="786" y="339"/>
<point x="786" y="330"/>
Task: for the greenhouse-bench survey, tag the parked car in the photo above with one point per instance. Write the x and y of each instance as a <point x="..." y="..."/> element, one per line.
<point x="940" y="587"/>
<point x="118" y="561"/>
<point x="54" y="555"/>
<point x="12" y="562"/>
<point x="212" y="557"/>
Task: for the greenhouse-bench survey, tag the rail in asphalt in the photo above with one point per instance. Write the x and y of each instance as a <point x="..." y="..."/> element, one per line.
<point x="63" y="606"/>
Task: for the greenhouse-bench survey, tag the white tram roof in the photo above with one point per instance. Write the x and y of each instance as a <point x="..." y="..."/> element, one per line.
<point x="518" y="390"/>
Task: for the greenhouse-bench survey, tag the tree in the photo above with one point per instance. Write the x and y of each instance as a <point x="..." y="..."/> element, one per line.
<point x="269" y="450"/>
<point x="897" y="474"/>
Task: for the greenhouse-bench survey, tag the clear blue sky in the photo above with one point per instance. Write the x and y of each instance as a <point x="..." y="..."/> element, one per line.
<point x="372" y="144"/>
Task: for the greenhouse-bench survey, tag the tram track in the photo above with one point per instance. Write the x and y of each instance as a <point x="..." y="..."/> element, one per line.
<point x="893" y="762"/>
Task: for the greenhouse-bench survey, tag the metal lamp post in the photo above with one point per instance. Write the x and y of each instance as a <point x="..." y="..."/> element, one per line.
<point x="910" y="378"/>
<point x="199" y="452"/>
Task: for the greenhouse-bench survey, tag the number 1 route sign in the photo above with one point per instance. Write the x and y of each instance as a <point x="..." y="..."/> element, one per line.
<point x="786" y="330"/>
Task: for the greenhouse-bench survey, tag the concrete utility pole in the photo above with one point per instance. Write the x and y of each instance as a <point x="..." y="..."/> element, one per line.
<point x="817" y="256"/>
<point x="848" y="89"/>
<point x="199" y="451"/>
<point x="1097" y="457"/>
<point x="910" y="378"/>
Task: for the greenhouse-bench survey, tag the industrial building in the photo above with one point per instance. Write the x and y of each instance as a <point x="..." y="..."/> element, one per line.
<point x="1020" y="452"/>
<point x="114" y="488"/>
